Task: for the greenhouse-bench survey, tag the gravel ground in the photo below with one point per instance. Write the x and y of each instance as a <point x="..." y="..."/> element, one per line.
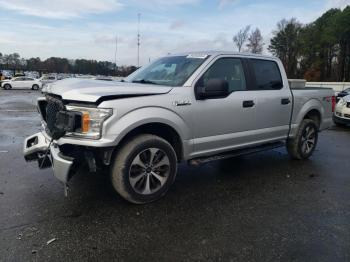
<point x="262" y="207"/>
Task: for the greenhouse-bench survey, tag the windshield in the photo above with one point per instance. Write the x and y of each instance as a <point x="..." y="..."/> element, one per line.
<point x="169" y="71"/>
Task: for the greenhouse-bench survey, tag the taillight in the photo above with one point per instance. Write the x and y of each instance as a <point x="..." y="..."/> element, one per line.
<point x="334" y="102"/>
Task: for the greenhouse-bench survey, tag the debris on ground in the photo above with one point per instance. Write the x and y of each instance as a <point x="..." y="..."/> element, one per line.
<point x="19" y="236"/>
<point x="50" y="241"/>
<point x="34" y="251"/>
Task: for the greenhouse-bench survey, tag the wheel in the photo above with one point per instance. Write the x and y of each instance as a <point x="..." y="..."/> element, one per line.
<point x="35" y="87"/>
<point x="7" y="86"/>
<point x="304" y="143"/>
<point x="144" y="169"/>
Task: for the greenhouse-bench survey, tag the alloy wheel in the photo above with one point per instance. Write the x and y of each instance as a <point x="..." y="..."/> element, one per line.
<point x="149" y="171"/>
<point x="308" y="140"/>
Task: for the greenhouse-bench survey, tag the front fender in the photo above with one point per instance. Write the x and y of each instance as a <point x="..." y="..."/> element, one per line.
<point x="120" y="128"/>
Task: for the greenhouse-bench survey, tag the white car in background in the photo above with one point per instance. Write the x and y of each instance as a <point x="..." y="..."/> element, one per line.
<point x="21" y="82"/>
<point x="342" y="111"/>
<point x="48" y="79"/>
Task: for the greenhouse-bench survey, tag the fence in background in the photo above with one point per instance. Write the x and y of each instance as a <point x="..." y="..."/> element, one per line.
<point x="337" y="86"/>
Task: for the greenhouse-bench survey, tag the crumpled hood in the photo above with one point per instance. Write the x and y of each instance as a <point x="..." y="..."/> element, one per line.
<point x="90" y="90"/>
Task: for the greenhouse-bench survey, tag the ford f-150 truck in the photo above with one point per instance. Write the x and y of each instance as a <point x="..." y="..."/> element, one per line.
<point x="192" y="107"/>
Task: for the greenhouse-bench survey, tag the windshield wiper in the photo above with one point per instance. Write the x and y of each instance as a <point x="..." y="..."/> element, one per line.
<point x="144" y="81"/>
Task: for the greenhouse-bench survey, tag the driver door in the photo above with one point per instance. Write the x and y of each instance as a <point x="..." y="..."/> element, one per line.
<point x="222" y="124"/>
<point x="17" y="82"/>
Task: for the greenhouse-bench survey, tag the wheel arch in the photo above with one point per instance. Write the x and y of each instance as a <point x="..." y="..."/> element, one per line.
<point x="162" y="130"/>
<point x="315" y="115"/>
<point x="152" y="120"/>
<point x="312" y="109"/>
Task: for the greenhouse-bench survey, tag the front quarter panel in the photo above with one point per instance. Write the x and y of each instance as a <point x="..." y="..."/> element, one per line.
<point x="131" y="113"/>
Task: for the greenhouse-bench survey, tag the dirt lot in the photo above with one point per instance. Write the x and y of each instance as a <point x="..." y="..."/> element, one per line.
<point x="261" y="207"/>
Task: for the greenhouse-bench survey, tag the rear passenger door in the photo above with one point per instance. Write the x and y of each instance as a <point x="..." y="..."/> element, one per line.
<point x="273" y="100"/>
<point x="29" y="82"/>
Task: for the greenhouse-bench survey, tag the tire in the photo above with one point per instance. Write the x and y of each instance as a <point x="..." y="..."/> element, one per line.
<point x="7" y="86"/>
<point x="35" y="87"/>
<point x="304" y="143"/>
<point x="133" y="170"/>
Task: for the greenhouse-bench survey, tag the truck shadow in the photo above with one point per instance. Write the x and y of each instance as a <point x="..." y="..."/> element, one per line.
<point x="246" y="177"/>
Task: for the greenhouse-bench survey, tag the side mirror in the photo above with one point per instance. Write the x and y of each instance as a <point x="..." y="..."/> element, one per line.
<point x="276" y="84"/>
<point x="214" y="88"/>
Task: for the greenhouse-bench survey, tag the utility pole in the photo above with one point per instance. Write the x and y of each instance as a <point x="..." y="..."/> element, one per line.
<point x="138" y="39"/>
<point x="115" y="54"/>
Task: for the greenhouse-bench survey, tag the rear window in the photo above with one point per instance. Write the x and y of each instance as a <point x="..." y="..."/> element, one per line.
<point x="267" y="75"/>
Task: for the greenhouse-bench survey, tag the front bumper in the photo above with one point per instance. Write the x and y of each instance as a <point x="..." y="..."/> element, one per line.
<point x="341" y="120"/>
<point x="38" y="147"/>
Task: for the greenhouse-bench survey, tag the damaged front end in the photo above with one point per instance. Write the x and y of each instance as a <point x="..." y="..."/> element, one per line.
<point x="61" y="120"/>
<point x="40" y="148"/>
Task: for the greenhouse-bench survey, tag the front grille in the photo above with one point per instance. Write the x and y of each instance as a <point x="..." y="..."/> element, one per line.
<point x="54" y="105"/>
<point x="347" y="115"/>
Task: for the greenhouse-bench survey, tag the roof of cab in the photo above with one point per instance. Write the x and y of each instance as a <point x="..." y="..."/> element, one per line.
<point x="217" y="53"/>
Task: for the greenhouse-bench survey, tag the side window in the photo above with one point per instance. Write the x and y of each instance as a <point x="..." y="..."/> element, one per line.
<point x="229" y="69"/>
<point x="267" y="74"/>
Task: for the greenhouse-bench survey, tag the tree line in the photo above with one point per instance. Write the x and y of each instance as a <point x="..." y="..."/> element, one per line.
<point x="63" y="65"/>
<point x="319" y="51"/>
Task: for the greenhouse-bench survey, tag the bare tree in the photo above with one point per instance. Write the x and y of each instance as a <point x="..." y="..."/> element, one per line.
<point x="241" y="37"/>
<point x="255" y="42"/>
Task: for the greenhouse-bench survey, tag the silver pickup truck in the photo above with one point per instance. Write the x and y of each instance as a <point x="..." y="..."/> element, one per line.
<point x="193" y="107"/>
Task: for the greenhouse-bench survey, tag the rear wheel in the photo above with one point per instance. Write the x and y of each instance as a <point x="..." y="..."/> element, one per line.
<point x="144" y="169"/>
<point x="35" y="87"/>
<point x="7" y="86"/>
<point x="304" y="143"/>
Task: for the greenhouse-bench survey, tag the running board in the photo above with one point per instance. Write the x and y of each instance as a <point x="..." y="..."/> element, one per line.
<point x="235" y="153"/>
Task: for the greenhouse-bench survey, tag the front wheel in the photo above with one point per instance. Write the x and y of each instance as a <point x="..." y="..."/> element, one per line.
<point x="7" y="86"/>
<point x="144" y="169"/>
<point x="35" y="87"/>
<point x="304" y="143"/>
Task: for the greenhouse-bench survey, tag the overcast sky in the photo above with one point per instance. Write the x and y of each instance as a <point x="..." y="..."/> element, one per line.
<point x="87" y="28"/>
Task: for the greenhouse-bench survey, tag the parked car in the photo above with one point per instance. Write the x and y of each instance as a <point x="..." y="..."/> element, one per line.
<point x="47" y="79"/>
<point x="21" y="82"/>
<point x="343" y="93"/>
<point x="341" y="115"/>
<point x="193" y="107"/>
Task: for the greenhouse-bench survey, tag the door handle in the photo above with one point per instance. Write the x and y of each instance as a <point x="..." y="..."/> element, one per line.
<point x="285" y="101"/>
<point x="249" y="103"/>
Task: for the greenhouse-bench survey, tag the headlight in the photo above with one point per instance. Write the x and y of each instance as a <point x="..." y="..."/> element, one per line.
<point x="91" y="121"/>
<point x="341" y="102"/>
